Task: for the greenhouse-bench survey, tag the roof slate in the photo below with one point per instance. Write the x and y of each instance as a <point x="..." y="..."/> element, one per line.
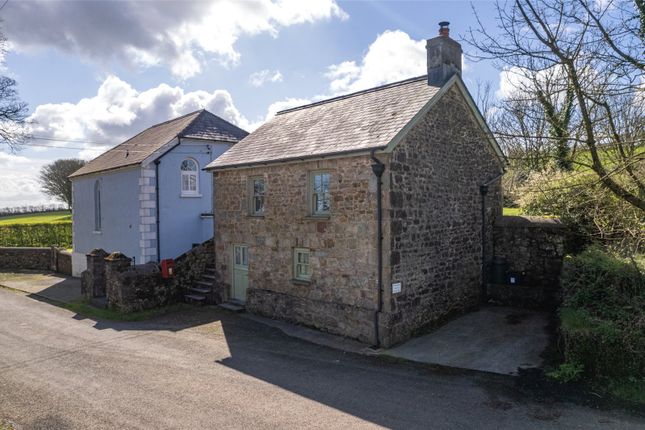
<point x="198" y="125"/>
<point x="360" y="121"/>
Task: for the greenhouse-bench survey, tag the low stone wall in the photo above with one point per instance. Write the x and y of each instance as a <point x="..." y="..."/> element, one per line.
<point x="336" y="318"/>
<point x="131" y="288"/>
<point x="50" y="259"/>
<point x="136" y="288"/>
<point x="533" y="248"/>
<point x="64" y="262"/>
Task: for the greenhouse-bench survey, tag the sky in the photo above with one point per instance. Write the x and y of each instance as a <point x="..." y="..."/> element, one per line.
<point x="95" y="73"/>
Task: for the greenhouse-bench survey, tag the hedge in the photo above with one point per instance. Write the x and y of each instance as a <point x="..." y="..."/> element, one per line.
<point x="603" y="315"/>
<point x="46" y="234"/>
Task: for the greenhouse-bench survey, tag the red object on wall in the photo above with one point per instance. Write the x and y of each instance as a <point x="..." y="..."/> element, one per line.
<point x="168" y="268"/>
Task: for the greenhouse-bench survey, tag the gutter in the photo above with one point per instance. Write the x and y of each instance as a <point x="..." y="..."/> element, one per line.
<point x="157" y="162"/>
<point x="295" y="159"/>
<point x="378" y="168"/>
<point x="483" y="191"/>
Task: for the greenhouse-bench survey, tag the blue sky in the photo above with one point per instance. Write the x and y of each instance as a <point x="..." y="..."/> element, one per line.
<point x="95" y="73"/>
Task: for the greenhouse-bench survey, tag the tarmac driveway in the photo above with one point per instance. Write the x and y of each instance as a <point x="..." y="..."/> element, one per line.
<point x="207" y="368"/>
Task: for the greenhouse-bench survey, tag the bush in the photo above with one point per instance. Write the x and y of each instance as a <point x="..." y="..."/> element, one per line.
<point x="603" y="315"/>
<point x="590" y="211"/>
<point x="51" y="234"/>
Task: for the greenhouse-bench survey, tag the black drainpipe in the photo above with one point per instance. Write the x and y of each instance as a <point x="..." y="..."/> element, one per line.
<point x="483" y="190"/>
<point x="378" y="168"/>
<point x="157" y="161"/>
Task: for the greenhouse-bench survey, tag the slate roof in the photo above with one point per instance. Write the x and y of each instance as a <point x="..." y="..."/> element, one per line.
<point x="196" y="125"/>
<point x="364" y="120"/>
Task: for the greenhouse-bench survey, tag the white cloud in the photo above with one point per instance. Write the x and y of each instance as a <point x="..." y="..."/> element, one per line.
<point x="118" y="111"/>
<point x="19" y="177"/>
<point x="177" y="35"/>
<point x="393" y="56"/>
<point x="288" y="103"/>
<point x="260" y="78"/>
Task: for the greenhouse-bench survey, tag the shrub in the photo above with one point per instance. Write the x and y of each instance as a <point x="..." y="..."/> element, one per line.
<point x="51" y="234"/>
<point x="603" y="315"/>
<point x="590" y="211"/>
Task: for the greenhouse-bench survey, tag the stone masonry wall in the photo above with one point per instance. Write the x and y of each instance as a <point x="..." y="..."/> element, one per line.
<point x="533" y="248"/>
<point x="16" y="258"/>
<point x="341" y="297"/>
<point x="435" y="207"/>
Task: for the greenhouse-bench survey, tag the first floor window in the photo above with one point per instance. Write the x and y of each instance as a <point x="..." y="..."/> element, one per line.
<point x="189" y="177"/>
<point x="257" y="192"/>
<point x="321" y="198"/>
<point x="301" y="264"/>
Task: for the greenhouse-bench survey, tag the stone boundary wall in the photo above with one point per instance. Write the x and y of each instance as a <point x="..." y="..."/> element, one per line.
<point x="533" y="248"/>
<point x="131" y="288"/>
<point x="50" y="259"/>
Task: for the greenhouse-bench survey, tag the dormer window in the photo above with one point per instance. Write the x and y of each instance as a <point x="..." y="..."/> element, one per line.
<point x="189" y="178"/>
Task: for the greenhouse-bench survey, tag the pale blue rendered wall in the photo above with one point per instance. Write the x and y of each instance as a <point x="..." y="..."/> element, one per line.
<point x="119" y="213"/>
<point x="180" y="223"/>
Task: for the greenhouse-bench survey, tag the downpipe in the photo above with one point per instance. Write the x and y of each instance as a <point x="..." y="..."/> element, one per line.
<point x="483" y="191"/>
<point x="378" y="168"/>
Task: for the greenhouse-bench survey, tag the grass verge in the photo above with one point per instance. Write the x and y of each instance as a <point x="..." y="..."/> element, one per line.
<point x="87" y="310"/>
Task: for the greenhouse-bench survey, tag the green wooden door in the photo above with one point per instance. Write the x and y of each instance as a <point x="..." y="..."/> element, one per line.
<point x="240" y="272"/>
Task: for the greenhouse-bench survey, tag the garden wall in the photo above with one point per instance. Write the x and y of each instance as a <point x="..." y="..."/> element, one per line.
<point x="131" y="288"/>
<point x="16" y="258"/>
<point x="533" y="250"/>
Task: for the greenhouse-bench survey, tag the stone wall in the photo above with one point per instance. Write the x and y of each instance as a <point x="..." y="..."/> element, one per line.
<point x="136" y="288"/>
<point x="343" y="260"/>
<point x="64" y="262"/>
<point x="190" y="266"/>
<point x="435" y="208"/>
<point x="49" y="259"/>
<point x="131" y="288"/>
<point x="533" y="248"/>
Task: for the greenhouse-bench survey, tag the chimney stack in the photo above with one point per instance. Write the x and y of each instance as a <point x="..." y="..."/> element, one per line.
<point x="444" y="57"/>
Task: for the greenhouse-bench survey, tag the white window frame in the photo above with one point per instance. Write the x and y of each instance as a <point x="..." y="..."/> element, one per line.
<point x="253" y="196"/>
<point x="188" y="174"/>
<point x="299" y="264"/>
<point x="313" y="195"/>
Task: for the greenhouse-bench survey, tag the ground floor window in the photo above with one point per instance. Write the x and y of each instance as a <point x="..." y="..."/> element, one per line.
<point x="301" y="264"/>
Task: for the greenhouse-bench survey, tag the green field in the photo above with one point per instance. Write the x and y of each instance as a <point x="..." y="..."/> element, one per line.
<point x="39" y="218"/>
<point x="512" y="211"/>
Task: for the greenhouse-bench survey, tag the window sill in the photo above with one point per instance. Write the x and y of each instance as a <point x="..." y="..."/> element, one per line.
<point x="206" y="216"/>
<point x="97" y="232"/>
<point x="301" y="281"/>
<point x="318" y="217"/>
<point x="190" y="196"/>
<point x="255" y="215"/>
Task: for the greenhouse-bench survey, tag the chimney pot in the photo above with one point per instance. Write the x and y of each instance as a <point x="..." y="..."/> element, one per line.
<point x="444" y="29"/>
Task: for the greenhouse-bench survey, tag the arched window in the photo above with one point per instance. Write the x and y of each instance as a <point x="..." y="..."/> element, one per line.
<point x="97" y="206"/>
<point x="189" y="177"/>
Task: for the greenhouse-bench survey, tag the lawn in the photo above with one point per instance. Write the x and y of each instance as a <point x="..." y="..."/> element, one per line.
<point x="512" y="211"/>
<point x="38" y="218"/>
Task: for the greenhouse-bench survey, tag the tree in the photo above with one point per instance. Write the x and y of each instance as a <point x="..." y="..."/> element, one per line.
<point x="54" y="179"/>
<point x="13" y="111"/>
<point x="579" y="72"/>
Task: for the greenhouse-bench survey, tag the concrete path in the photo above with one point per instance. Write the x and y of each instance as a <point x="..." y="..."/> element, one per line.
<point x="49" y="285"/>
<point x="493" y="339"/>
<point x="211" y="369"/>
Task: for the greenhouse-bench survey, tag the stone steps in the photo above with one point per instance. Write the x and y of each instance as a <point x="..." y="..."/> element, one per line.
<point x="233" y="306"/>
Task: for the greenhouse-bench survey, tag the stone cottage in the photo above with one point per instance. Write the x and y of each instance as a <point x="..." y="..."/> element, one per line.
<point x="149" y="197"/>
<point x="367" y="215"/>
